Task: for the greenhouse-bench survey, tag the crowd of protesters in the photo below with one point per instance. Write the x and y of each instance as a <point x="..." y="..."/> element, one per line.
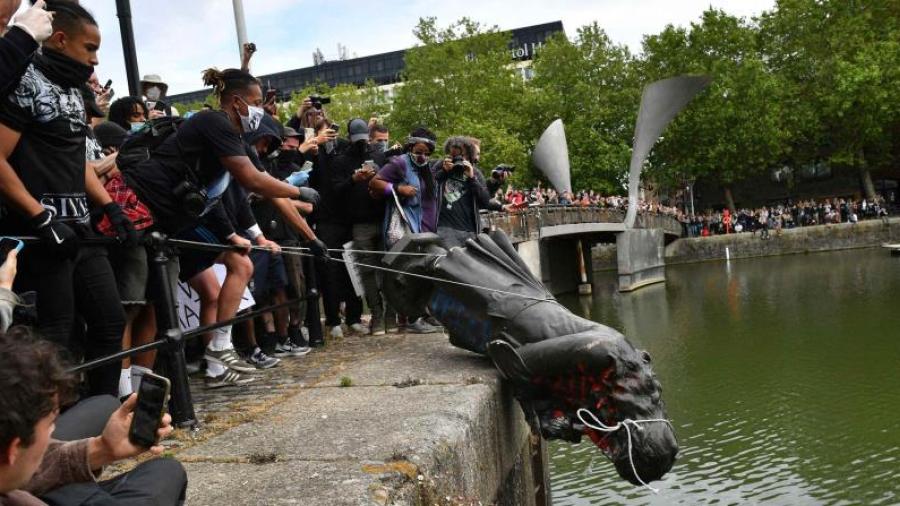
<point x="539" y="196"/>
<point x="788" y="215"/>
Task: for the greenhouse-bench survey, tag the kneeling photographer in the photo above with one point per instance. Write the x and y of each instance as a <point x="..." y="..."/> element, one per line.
<point x="461" y="192"/>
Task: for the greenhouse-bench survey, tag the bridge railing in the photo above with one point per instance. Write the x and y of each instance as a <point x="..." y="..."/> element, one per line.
<point x="526" y="225"/>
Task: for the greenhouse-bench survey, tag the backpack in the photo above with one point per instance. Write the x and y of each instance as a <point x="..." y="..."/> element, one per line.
<point x="140" y="145"/>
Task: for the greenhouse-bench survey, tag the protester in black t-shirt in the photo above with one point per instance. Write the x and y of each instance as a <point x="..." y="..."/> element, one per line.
<point x="46" y="187"/>
<point x="461" y="192"/>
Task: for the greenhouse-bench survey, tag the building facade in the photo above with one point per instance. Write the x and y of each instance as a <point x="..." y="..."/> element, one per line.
<point x="383" y="69"/>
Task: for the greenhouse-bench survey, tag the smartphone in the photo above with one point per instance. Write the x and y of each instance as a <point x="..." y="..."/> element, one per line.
<point x="151" y="405"/>
<point x="307" y="166"/>
<point x="308" y="133"/>
<point x="8" y="244"/>
<point x="108" y="84"/>
<point x="159" y="105"/>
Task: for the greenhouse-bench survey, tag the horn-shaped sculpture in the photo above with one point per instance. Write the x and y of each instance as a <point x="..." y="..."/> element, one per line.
<point x="660" y="103"/>
<point x="551" y="156"/>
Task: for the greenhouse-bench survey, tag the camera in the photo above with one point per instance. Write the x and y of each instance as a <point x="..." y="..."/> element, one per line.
<point x="318" y="101"/>
<point x="192" y="199"/>
<point x="503" y="169"/>
<point x="458" y="165"/>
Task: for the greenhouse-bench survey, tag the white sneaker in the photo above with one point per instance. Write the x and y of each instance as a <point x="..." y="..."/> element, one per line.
<point x="358" y="329"/>
<point x="337" y="332"/>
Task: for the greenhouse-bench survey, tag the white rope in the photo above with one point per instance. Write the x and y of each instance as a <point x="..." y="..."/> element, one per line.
<point x="600" y="426"/>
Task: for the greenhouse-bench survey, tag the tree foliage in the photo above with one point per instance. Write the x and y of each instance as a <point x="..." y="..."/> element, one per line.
<point x="460" y="81"/>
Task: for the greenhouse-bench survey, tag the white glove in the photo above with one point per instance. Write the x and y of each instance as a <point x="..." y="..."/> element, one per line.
<point x="36" y="22"/>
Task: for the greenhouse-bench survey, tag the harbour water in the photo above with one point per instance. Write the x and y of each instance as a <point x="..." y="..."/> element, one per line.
<point x="781" y="375"/>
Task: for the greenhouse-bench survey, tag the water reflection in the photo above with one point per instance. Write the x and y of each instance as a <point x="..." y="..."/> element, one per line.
<point x="781" y="376"/>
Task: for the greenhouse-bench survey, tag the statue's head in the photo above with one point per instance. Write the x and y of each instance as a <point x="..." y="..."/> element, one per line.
<point x="601" y="372"/>
<point x="633" y="394"/>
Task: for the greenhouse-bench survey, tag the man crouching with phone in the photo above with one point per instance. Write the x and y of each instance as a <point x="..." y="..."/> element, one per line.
<point x="37" y="470"/>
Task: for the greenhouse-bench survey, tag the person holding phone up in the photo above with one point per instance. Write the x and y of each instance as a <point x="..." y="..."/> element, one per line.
<point x="36" y="470"/>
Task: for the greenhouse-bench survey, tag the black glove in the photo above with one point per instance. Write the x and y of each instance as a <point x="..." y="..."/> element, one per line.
<point x="58" y="237"/>
<point x="125" y="231"/>
<point x="318" y="248"/>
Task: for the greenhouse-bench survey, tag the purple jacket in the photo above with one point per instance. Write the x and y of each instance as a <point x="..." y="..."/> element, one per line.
<point x="394" y="172"/>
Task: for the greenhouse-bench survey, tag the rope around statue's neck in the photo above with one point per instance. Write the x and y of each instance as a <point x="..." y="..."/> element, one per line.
<point x="596" y="424"/>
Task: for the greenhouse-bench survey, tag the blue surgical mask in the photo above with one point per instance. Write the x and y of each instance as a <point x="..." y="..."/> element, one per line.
<point x="136" y="126"/>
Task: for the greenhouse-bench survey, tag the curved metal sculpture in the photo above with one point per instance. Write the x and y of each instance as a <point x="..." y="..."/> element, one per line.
<point x="551" y="156"/>
<point x="556" y="362"/>
<point x="660" y="103"/>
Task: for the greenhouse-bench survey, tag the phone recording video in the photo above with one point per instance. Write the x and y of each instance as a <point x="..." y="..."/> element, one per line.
<point x="151" y="405"/>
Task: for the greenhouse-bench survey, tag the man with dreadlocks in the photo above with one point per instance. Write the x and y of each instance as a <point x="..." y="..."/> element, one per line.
<point x="183" y="182"/>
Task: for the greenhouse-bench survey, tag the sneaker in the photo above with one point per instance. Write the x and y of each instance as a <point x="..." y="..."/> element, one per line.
<point x="337" y="332"/>
<point x="289" y="349"/>
<point x="228" y="378"/>
<point x="262" y="361"/>
<point x="421" y="327"/>
<point x="230" y="359"/>
<point x="376" y="327"/>
<point x="358" y="328"/>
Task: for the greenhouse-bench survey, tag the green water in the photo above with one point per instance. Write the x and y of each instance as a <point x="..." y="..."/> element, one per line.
<point x="781" y="375"/>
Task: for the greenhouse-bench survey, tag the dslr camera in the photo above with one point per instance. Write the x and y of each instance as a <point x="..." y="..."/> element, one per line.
<point x="503" y="169"/>
<point x="192" y="199"/>
<point x="318" y="101"/>
<point x="458" y="165"/>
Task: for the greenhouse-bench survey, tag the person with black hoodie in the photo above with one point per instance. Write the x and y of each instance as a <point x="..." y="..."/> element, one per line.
<point x="19" y="43"/>
<point x="47" y="190"/>
<point x="350" y="175"/>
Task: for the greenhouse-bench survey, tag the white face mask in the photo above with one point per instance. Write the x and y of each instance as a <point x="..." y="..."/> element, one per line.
<point x="154" y="93"/>
<point x="254" y="117"/>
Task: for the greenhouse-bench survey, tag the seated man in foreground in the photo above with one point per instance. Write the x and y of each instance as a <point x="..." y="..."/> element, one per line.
<point x="32" y="465"/>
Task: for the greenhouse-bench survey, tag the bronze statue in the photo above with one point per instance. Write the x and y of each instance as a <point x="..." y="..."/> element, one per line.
<point x="558" y="363"/>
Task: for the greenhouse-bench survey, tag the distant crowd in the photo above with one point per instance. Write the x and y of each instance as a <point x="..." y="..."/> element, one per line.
<point x="783" y="216"/>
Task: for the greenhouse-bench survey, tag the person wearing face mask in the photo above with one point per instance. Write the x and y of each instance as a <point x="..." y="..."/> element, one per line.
<point x="129" y="113"/>
<point x="48" y="190"/>
<point x="154" y="89"/>
<point x="351" y="172"/>
<point x="202" y="157"/>
<point x="410" y="177"/>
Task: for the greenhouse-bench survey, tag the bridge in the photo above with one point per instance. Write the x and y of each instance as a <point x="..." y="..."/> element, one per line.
<point x="549" y="235"/>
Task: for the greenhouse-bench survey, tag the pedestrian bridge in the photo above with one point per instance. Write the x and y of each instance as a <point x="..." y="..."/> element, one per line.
<point x="556" y="242"/>
<point x="537" y="223"/>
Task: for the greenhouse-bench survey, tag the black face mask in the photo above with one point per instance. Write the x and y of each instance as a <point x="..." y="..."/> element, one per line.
<point x="61" y="69"/>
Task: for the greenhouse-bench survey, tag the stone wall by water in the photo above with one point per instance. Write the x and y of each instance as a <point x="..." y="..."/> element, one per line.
<point x="865" y="234"/>
<point x="792" y="241"/>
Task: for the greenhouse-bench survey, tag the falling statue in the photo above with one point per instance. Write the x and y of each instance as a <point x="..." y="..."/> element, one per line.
<point x="572" y="377"/>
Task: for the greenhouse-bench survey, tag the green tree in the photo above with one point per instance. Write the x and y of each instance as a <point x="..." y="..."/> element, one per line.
<point x="839" y="61"/>
<point x="731" y="131"/>
<point x="460" y="81"/>
<point x="592" y="85"/>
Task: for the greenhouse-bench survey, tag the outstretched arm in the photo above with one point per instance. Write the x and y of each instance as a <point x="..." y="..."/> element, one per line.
<point x="255" y="181"/>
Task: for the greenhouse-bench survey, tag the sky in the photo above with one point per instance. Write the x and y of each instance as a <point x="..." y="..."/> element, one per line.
<point x="177" y="39"/>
